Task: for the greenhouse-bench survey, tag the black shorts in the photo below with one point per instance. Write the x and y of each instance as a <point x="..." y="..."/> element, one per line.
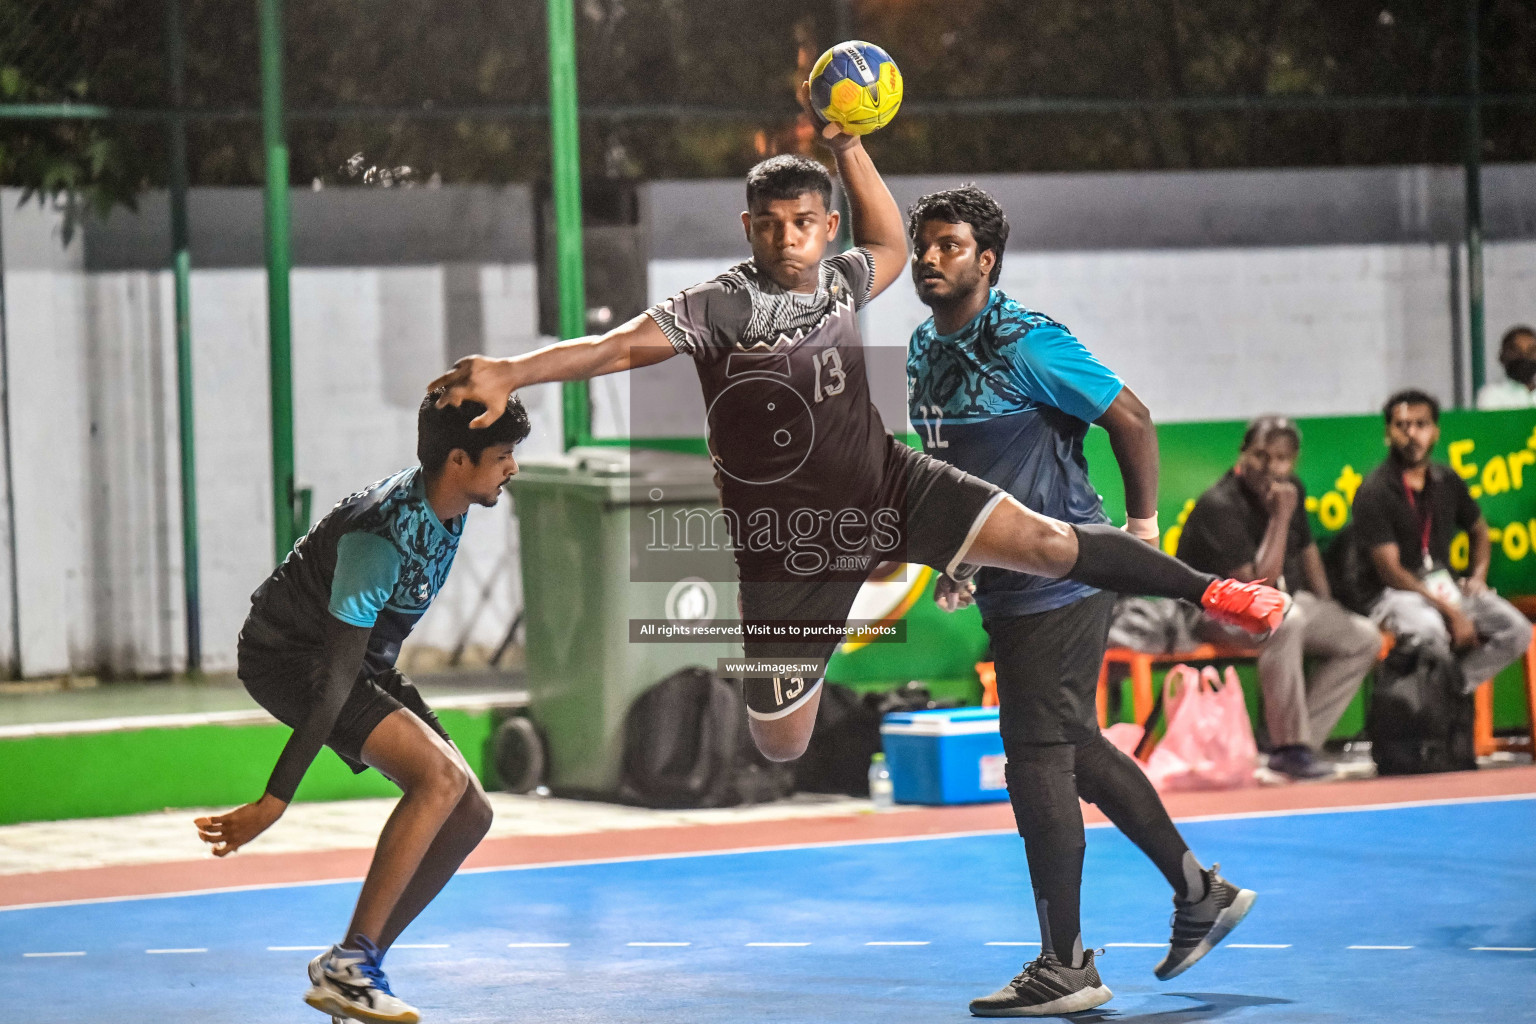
<point x="942" y="509"/>
<point x="1048" y="671"/>
<point x="281" y="681"/>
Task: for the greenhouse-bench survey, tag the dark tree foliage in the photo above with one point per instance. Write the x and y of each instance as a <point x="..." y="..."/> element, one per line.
<point x="427" y="57"/>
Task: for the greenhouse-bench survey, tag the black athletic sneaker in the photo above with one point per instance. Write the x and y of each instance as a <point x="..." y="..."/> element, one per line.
<point x="1046" y="988"/>
<point x="1198" y="926"/>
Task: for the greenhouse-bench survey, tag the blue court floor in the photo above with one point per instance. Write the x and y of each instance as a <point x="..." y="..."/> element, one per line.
<point x="1411" y="914"/>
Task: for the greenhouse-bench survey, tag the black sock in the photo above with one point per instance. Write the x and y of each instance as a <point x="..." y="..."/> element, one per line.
<point x="1044" y="796"/>
<point x="1112" y="559"/>
<point x="1111" y="781"/>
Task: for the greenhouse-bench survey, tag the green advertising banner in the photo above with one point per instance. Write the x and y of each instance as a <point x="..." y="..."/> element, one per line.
<point x="1495" y="452"/>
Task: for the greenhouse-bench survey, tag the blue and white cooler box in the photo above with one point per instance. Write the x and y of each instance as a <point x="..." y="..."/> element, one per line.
<point x="949" y="756"/>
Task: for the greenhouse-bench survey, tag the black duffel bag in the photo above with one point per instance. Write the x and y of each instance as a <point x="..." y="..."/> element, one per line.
<point x="686" y="745"/>
<point x="1419" y="719"/>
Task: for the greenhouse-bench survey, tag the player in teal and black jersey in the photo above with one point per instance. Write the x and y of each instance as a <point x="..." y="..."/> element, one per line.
<point x="318" y="651"/>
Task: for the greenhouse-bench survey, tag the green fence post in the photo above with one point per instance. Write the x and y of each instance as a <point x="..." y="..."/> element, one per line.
<point x="565" y="159"/>
<point x="1474" y="184"/>
<point x="279" y="259"/>
<point x="181" y="270"/>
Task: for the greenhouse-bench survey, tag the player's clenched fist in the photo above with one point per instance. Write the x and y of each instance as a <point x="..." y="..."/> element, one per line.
<point x="952" y="595"/>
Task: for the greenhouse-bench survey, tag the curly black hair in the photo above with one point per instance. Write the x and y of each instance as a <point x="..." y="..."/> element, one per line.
<point x="440" y="431"/>
<point x="965" y="205"/>
<point x="788" y="177"/>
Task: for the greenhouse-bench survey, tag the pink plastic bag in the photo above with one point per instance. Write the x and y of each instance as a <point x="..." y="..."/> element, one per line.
<point x="1209" y="742"/>
<point x="1126" y="736"/>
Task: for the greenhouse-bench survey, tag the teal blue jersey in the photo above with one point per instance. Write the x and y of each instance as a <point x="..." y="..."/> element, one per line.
<point x="1009" y="398"/>
<point x="376" y="560"/>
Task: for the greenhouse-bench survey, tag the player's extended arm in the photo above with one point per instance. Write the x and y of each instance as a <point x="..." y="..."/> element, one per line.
<point x="877" y="221"/>
<point x="345" y="646"/>
<point x="489" y="381"/>
<point x="1133" y="439"/>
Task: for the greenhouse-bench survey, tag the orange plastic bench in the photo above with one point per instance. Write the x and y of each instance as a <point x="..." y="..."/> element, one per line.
<point x="1484" y="742"/>
<point x="1140" y="663"/>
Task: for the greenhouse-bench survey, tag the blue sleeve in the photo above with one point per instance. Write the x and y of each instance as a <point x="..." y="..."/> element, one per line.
<point x="1054" y="368"/>
<point x="367" y="567"/>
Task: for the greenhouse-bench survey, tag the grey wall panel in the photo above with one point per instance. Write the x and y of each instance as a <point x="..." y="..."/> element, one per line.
<point x="344" y="227"/>
<point x="1158" y="210"/>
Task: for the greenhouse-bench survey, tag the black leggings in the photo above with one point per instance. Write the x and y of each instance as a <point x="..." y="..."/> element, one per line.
<point x="1047" y="677"/>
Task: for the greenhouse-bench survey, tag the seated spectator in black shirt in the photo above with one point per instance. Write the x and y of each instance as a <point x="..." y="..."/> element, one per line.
<point x="1407" y="511"/>
<point x="1252" y="524"/>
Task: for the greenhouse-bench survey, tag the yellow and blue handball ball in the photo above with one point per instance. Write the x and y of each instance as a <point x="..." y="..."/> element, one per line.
<point x="856" y="86"/>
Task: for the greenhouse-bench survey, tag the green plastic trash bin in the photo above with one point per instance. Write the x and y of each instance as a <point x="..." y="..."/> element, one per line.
<point x="590" y="524"/>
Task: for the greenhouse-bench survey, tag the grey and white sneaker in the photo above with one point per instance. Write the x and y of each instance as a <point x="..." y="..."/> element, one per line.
<point x="1045" y="988"/>
<point x="350" y="984"/>
<point x="1200" y="925"/>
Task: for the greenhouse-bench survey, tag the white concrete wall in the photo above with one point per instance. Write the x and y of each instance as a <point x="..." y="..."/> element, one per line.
<point x="1223" y="333"/>
<point x="94" y="431"/>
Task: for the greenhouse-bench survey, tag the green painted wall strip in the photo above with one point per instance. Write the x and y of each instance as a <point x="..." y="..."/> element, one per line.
<point x="103" y="774"/>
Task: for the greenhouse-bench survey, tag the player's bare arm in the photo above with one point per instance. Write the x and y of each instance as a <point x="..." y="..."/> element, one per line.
<point x="1133" y="438"/>
<point x="878" y="224"/>
<point x="345" y="647"/>
<point x="489" y="381"/>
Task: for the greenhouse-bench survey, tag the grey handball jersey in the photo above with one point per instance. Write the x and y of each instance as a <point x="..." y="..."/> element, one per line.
<point x="799" y="448"/>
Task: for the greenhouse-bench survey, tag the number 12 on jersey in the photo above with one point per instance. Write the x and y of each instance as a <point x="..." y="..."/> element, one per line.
<point x="930" y="427"/>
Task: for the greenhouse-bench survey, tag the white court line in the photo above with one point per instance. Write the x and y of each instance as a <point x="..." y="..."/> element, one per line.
<point x="1258" y="945"/>
<point x="1135" y="945"/>
<point x="651" y="944"/>
<point x="420" y="945"/>
<point x="538" y="945"/>
<point x="1380" y="947"/>
<point x="775" y="945"/>
<point x="200" y="949"/>
<point x="1504" y="949"/>
<point x="895" y="943"/>
<point x="784" y="848"/>
<point x="77" y="952"/>
<point x="295" y="949"/>
<point x="1011" y="943"/>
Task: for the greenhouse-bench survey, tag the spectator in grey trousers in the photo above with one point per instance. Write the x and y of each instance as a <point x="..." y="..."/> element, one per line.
<point x="1252" y="525"/>
<point x="1407" y="512"/>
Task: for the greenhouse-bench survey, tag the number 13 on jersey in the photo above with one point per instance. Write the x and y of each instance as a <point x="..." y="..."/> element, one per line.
<point x="829" y="363"/>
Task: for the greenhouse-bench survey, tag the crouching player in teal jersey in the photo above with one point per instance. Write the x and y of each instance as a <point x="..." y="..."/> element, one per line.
<point x="318" y="651"/>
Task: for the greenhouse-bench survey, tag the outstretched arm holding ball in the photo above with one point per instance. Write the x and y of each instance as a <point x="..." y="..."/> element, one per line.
<point x="878" y="224"/>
